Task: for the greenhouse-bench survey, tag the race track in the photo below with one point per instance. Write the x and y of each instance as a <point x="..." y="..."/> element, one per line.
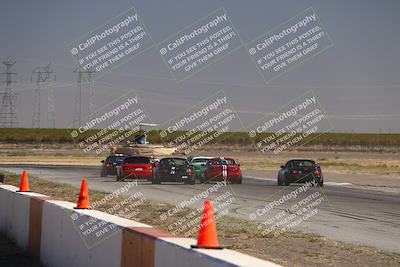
<point x="351" y="215"/>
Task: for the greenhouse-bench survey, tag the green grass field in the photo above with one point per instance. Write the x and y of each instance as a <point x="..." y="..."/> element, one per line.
<point x="26" y="135"/>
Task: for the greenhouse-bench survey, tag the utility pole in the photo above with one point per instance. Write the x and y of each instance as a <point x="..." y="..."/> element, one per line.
<point x="44" y="75"/>
<point x="78" y="108"/>
<point x="8" y="110"/>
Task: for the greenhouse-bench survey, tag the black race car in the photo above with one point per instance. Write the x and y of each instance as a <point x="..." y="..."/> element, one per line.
<point x="109" y="165"/>
<point x="300" y="171"/>
<point x="174" y="170"/>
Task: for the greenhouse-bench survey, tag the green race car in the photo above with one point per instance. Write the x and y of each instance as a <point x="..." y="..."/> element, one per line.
<point x="198" y="164"/>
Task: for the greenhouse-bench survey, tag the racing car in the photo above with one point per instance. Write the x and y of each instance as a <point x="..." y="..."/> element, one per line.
<point x="174" y="170"/>
<point x="110" y="164"/>
<point x="219" y="169"/>
<point x="300" y="171"/>
<point x="198" y="164"/>
<point x="136" y="167"/>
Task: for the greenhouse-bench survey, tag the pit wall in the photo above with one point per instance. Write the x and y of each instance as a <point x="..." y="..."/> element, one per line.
<point x="42" y="226"/>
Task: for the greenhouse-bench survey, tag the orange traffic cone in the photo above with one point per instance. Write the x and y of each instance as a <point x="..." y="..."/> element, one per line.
<point x="24" y="185"/>
<point x="208" y="229"/>
<point x="83" y="200"/>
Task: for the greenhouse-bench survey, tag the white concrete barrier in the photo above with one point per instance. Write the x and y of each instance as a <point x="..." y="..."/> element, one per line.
<point x="177" y="252"/>
<point x="15" y="214"/>
<point x="62" y="243"/>
<point x="62" y="236"/>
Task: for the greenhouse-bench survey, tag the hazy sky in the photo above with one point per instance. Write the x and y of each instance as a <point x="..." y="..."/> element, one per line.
<point x="357" y="80"/>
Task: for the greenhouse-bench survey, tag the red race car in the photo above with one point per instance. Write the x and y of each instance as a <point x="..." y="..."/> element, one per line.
<point x="219" y="169"/>
<point x="136" y="168"/>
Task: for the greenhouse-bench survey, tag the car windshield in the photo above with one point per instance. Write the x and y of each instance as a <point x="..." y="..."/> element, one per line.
<point x="139" y="160"/>
<point x="200" y="160"/>
<point x="301" y="163"/>
<point x="222" y="162"/>
<point x="175" y="161"/>
<point x="114" y="159"/>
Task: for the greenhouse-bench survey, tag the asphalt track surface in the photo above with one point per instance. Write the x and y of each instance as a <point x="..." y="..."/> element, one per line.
<point x="346" y="214"/>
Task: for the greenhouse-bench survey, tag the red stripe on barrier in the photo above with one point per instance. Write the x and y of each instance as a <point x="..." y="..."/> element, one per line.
<point x="35" y="224"/>
<point x="137" y="249"/>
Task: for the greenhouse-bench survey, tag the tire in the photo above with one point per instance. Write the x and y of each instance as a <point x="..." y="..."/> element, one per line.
<point x="192" y="181"/>
<point x="155" y="179"/>
<point x="321" y="183"/>
<point x="286" y="182"/>
<point x="103" y="173"/>
<point x="280" y="182"/>
<point x="240" y="180"/>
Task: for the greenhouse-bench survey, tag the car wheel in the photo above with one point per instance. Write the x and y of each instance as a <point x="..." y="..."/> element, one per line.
<point x="286" y="181"/>
<point x="280" y="182"/>
<point x="240" y="180"/>
<point x="103" y="174"/>
<point x="192" y="181"/>
<point x="155" y="179"/>
<point x="321" y="183"/>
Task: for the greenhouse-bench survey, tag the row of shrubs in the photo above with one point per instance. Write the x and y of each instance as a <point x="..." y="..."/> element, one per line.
<point x="26" y="135"/>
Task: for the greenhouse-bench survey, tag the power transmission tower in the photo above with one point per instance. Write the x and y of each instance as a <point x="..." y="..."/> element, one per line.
<point x="51" y="118"/>
<point x="44" y="75"/>
<point x="8" y="111"/>
<point x="79" y="94"/>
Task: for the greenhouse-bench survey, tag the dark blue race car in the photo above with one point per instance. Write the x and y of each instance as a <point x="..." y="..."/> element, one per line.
<point x="174" y="170"/>
<point x="300" y="171"/>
